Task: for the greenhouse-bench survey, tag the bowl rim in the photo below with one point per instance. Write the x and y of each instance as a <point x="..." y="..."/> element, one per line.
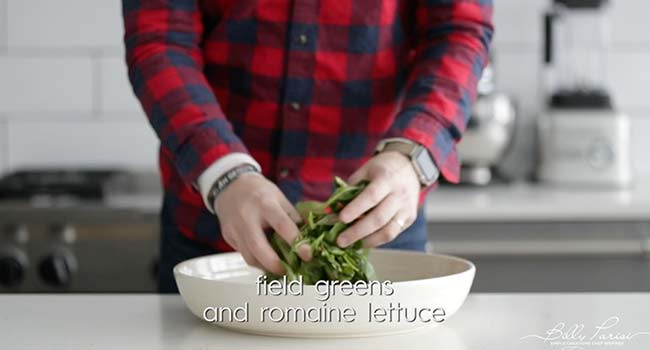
<point x="470" y="267"/>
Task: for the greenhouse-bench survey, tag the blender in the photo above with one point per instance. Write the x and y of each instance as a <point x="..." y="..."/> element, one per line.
<point x="584" y="138"/>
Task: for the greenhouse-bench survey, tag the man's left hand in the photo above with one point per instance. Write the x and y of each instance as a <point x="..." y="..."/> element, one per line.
<point x="387" y="206"/>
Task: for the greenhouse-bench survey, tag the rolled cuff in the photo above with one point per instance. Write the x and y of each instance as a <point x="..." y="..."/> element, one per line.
<point x="426" y="130"/>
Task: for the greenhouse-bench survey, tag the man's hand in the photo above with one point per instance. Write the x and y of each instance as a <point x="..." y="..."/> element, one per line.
<point x="392" y="194"/>
<point x="245" y="208"/>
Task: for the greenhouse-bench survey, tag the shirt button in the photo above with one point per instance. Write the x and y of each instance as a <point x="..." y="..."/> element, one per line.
<point x="295" y="106"/>
<point x="302" y="39"/>
<point x="284" y="172"/>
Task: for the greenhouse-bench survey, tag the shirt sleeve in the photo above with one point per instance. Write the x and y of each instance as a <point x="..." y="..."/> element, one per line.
<point x="166" y="72"/>
<point x="451" y="50"/>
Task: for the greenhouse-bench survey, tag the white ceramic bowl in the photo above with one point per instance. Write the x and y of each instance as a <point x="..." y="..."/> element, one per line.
<point x="419" y="281"/>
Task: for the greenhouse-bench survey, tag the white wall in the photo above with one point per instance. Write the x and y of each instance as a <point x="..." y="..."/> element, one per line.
<point x="65" y="98"/>
<point x="64" y="94"/>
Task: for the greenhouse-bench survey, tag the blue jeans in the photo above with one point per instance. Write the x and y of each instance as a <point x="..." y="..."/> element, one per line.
<point x="175" y="248"/>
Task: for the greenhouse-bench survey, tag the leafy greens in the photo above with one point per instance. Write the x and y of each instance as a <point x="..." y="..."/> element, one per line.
<point x="320" y="230"/>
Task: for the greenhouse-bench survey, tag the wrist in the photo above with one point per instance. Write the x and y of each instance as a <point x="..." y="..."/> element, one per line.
<point x="418" y="156"/>
<point x="227" y="179"/>
<point x="235" y="183"/>
<point x="216" y="170"/>
<point x="398" y="156"/>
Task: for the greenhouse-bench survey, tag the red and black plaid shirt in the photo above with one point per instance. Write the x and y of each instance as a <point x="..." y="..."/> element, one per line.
<point x="307" y="87"/>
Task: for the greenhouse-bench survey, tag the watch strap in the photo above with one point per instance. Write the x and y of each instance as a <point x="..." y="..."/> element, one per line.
<point x="226" y="179"/>
<point x="411" y="150"/>
<point x="403" y="147"/>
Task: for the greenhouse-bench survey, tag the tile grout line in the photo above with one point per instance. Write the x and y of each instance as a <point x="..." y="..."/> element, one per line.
<point x="88" y="118"/>
<point x="4" y="31"/>
<point x="45" y="115"/>
<point x="522" y="47"/>
<point x="63" y="51"/>
<point x="96" y="84"/>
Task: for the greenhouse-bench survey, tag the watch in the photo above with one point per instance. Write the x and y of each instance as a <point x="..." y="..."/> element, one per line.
<point x="421" y="160"/>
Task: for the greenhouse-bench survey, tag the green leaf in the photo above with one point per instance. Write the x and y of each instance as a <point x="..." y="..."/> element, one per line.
<point x="334" y="232"/>
<point x="316" y="243"/>
<point x="320" y="230"/>
<point x="310" y="220"/>
<point x="329" y="220"/>
<point x="345" y="195"/>
<point x="289" y="272"/>
<point x="305" y="207"/>
<point x="338" y="182"/>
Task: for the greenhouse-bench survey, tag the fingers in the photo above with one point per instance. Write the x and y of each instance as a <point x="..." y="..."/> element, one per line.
<point x="233" y="239"/>
<point x="376" y="191"/>
<point x="358" y="175"/>
<point x="289" y="208"/>
<point x="371" y="222"/>
<point x="388" y="232"/>
<point x="259" y="247"/>
<point x="250" y="259"/>
<point x="251" y="204"/>
<point x="280" y="221"/>
<point x="304" y="252"/>
<point x="229" y="235"/>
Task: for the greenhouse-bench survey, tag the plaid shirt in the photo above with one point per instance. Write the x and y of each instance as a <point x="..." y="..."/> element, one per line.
<point x="308" y="88"/>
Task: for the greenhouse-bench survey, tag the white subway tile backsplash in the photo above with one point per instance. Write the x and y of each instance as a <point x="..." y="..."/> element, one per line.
<point x="64" y="23"/>
<point x="518" y="22"/>
<point x="115" y="90"/>
<point x="45" y="84"/>
<point x="63" y="80"/>
<point x="629" y="22"/>
<point x="97" y="23"/>
<point x="517" y="73"/>
<point x="630" y="78"/>
<point x="81" y="143"/>
<point x="4" y="18"/>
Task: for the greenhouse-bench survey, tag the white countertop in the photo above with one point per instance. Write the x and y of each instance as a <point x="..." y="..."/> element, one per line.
<point x="523" y="202"/>
<point x="518" y="202"/>
<point x="527" y="202"/>
<point x="486" y="321"/>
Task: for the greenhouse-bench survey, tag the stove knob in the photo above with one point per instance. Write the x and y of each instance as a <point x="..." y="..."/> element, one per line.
<point x="57" y="269"/>
<point x="12" y="271"/>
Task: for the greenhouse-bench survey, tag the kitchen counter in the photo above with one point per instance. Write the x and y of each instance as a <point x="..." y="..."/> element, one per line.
<point x="541" y="203"/>
<point x="486" y="321"/>
<point x="448" y="204"/>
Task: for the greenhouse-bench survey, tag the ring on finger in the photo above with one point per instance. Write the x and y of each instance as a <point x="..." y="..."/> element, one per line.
<point x="400" y="222"/>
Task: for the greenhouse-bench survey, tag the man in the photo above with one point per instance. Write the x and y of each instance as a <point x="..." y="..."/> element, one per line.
<point x="259" y="104"/>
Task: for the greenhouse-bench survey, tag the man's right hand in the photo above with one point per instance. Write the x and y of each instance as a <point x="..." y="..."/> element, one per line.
<point x="248" y="206"/>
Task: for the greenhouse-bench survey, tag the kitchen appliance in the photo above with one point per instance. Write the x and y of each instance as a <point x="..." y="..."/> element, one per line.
<point x="489" y="132"/>
<point x="80" y="184"/>
<point x="66" y="230"/>
<point x="584" y="139"/>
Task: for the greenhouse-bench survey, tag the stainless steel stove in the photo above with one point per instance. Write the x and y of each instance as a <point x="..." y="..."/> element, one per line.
<point x="78" y="231"/>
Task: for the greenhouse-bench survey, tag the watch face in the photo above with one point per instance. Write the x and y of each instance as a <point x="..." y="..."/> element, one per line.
<point x="426" y="165"/>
